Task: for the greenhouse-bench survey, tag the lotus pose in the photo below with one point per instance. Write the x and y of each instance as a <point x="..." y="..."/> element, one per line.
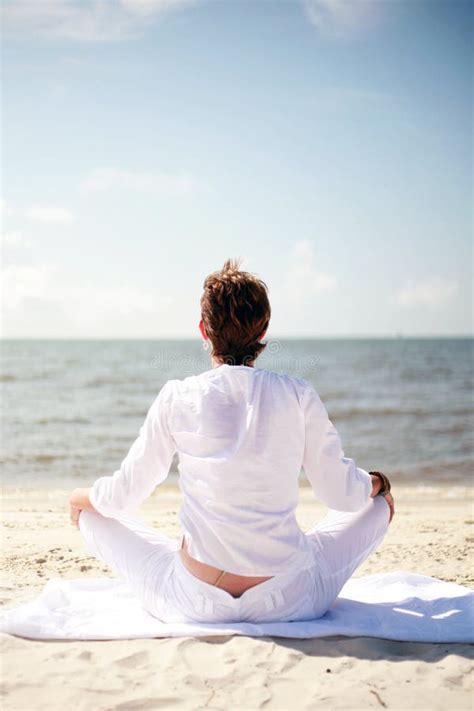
<point x="242" y="435"/>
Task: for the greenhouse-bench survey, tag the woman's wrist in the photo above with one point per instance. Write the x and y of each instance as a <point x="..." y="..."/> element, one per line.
<point x="380" y="484"/>
<point x="376" y="485"/>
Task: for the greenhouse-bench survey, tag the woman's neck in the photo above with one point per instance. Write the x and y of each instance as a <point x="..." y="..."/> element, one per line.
<point x="216" y="363"/>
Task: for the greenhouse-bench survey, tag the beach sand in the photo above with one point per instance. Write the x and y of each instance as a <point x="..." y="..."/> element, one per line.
<point x="431" y="534"/>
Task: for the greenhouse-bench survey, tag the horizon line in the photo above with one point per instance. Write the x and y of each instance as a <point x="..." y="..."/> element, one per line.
<point x="392" y="337"/>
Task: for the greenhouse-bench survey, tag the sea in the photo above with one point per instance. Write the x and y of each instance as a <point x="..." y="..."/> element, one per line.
<point x="71" y="409"/>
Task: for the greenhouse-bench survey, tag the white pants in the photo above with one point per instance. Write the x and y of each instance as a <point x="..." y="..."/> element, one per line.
<point x="151" y="564"/>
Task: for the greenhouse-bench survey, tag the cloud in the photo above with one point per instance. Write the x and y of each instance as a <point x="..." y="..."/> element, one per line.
<point x="435" y="291"/>
<point x="150" y="7"/>
<point x="83" y="20"/>
<point x="161" y="184"/>
<point x="47" y="214"/>
<point x="341" y="18"/>
<point x="303" y="281"/>
<point x="6" y="209"/>
<point x="14" y="238"/>
<point x="50" y="214"/>
<point x="19" y="283"/>
<point x="42" y="300"/>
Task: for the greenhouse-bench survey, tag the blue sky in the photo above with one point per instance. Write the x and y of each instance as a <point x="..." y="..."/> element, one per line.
<point x="326" y="142"/>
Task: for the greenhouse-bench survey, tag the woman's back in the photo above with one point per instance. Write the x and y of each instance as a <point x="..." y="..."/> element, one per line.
<point x="240" y="436"/>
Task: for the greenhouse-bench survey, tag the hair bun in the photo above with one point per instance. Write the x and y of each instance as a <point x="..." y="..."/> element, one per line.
<point x="231" y="267"/>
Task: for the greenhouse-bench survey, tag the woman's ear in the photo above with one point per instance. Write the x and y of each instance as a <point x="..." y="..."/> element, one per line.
<point x="202" y="329"/>
<point x="263" y="335"/>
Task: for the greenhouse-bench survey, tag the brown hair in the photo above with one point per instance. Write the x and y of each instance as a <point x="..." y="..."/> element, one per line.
<point x="235" y="311"/>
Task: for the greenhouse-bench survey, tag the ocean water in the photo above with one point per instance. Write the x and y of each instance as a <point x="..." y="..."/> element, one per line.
<point x="72" y="409"/>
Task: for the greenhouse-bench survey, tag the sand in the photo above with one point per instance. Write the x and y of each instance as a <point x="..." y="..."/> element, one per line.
<point x="431" y="534"/>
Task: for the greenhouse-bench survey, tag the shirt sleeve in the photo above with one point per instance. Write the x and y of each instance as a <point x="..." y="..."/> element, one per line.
<point x="146" y="465"/>
<point x="334" y="478"/>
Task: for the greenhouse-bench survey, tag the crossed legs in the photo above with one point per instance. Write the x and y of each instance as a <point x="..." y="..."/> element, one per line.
<point x="346" y="539"/>
<point x="136" y="551"/>
<point x="143" y="556"/>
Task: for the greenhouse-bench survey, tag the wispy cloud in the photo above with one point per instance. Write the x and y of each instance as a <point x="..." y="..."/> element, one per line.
<point x="5" y="209"/>
<point x="303" y="281"/>
<point x="40" y="212"/>
<point x="435" y="291"/>
<point x="50" y="214"/>
<point x="83" y="20"/>
<point x="161" y="184"/>
<point x="42" y="300"/>
<point x="14" y="238"/>
<point x="341" y="18"/>
<point x="21" y="283"/>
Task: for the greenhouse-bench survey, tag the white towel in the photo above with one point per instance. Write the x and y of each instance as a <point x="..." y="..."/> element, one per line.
<point x="399" y="605"/>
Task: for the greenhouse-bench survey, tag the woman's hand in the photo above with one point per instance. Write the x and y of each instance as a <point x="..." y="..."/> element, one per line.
<point x="78" y="501"/>
<point x="377" y="486"/>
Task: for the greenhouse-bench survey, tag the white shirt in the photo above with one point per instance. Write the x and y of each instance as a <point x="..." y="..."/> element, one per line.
<point x="242" y="435"/>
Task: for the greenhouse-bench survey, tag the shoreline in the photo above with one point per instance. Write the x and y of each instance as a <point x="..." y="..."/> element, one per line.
<point x="404" y="489"/>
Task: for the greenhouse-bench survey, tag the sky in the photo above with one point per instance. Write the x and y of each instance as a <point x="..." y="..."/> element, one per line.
<point x="326" y="143"/>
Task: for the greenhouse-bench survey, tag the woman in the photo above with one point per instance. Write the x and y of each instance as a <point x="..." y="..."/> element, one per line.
<point x="242" y="435"/>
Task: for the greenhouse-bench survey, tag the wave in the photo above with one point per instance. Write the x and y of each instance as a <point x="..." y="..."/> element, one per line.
<point x="375" y="412"/>
<point x="124" y="379"/>
<point x="345" y="414"/>
<point x="450" y="469"/>
<point x="31" y="377"/>
<point x="47" y="458"/>
<point x="131" y="413"/>
<point x="61" y="421"/>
